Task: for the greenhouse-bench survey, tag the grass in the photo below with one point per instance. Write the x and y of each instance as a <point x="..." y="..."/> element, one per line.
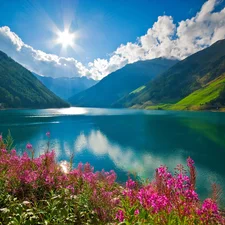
<point x="198" y="100"/>
<point x="159" y="107"/>
<point x="202" y="96"/>
<point x="138" y="90"/>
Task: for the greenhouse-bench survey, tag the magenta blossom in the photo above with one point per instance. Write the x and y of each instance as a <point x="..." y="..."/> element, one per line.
<point x="190" y="162"/>
<point x="130" y="184"/>
<point x="29" y="146"/>
<point x="209" y="205"/>
<point x="120" y="216"/>
<point x="48" y="134"/>
<point x="136" y="212"/>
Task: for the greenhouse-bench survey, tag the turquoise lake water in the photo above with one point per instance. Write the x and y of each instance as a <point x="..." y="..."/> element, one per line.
<point x="124" y="140"/>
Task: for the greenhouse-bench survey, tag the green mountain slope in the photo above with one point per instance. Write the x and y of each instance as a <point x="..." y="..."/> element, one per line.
<point x="19" y="88"/>
<point x="209" y="96"/>
<point x="65" y="87"/>
<point x="212" y="96"/>
<point x="117" y="84"/>
<point x="181" y="80"/>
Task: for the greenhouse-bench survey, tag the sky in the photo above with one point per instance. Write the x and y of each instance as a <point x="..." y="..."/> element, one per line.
<point x="107" y="34"/>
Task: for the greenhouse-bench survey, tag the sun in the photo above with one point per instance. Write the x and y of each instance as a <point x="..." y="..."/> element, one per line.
<point x="66" y="38"/>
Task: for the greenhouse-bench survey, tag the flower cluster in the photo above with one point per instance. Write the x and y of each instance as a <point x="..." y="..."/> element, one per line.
<point x="168" y="199"/>
<point x="34" y="178"/>
<point x="168" y="194"/>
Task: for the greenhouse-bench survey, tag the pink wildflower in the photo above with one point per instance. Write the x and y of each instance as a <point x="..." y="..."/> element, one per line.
<point x="190" y="162"/>
<point x="4" y="151"/>
<point x="29" y="146"/>
<point x="13" y="152"/>
<point x="48" y="134"/>
<point x="209" y="205"/>
<point x="130" y="184"/>
<point x="136" y="212"/>
<point x="120" y="216"/>
<point x="162" y="171"/>
<point x="191" y="195"/>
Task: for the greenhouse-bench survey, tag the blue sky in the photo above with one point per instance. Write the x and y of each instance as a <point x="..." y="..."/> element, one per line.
<point x="101" y="27"/>
<point x="104" y="24"/>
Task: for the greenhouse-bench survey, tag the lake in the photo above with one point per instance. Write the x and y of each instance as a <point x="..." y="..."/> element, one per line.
<point x="127" y="141"/>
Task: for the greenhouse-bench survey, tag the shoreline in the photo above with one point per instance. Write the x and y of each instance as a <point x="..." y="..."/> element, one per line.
<point x="156" y="108"/>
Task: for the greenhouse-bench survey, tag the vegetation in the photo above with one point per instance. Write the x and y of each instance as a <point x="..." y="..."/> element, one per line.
<point x="186" y="84"/>
<point x="19" y="88"/>
<point x="40" y="191"/>
<point x="121" y="82"/>
<point x="212" y="96"/>
<point x="205" y="97"/>
<point x="138" y="89"/>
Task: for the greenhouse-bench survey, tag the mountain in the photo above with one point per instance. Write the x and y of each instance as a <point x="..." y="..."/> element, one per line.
<point x="66" y="87"/>
<point x="213" y="93"/>
<point x="121" y="82"/>
<point x="19" y="88"/>
<point x="198" y="75"/>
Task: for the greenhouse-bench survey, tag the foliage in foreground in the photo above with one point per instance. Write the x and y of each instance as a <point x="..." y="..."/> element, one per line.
<point x="40" y="191"/>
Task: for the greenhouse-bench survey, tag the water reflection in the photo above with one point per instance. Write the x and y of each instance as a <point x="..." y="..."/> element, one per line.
<point x="125" y="140"/>
<point x="125" y="158"/>
<point x="142" y="163"/>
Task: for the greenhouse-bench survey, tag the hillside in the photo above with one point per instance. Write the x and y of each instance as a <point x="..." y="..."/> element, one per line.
<point x="117" y="84"/>
<point x="65" y="87"/>
<point x="186" y="77"/>
<point x="19" y="88"/>
<point x="210" y="96"/>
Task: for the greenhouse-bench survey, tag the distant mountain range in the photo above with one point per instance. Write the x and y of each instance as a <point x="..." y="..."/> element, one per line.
<point x="120" y="83"/>
<point x="66" y="87"/>
<point x="197" y="82"/>
<point x="19" y="88"/>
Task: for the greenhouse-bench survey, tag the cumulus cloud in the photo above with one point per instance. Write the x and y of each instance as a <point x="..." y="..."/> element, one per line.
<point x="39" y="61"/>
<point x="163" y="39"/>
<point x="170" y="40"/>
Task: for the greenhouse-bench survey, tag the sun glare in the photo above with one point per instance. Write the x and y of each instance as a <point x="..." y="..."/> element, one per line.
<point x="65" y="38"/>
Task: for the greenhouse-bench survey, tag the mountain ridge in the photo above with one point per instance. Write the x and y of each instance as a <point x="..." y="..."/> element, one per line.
<point x="182" y="79"/>
<point x="66" y="87"/>
<point x="19" y="88"/>
<point x="119" y="83"/>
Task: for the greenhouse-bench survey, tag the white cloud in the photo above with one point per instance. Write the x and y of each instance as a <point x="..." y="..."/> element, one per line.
<point x="39" y="61"/>
<point x="164" y="39"/>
